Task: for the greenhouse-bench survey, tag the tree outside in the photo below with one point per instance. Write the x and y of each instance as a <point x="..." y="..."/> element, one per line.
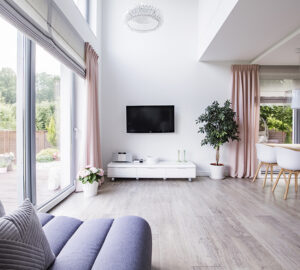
<point x="46" y="101"/>
<point x="279" y="118"/>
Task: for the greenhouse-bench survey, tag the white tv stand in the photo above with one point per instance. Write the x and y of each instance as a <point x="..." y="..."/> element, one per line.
<point x="162" y="169"/>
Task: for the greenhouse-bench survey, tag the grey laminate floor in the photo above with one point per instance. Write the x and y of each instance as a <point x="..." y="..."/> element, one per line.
<point x="205" y="224"/>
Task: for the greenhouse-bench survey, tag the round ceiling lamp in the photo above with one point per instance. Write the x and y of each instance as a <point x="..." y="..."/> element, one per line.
<point x="143" y="18"/>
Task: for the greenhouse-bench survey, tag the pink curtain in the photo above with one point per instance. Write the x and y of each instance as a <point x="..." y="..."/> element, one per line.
<point x="245" y="102"/>
<point x="93" y="149"/>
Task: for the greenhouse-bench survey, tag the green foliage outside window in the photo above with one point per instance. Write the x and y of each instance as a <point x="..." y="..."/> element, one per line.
<point x="46" y="85"/>
<point x="51" y="135"/>
<point x="278" y="118"/>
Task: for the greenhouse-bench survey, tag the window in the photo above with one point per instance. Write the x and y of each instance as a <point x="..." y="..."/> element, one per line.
<point x="36" y="139"/>
<point x="88" y="9"/>
<point x="276" y="115"/>
<point x="53" y="126"/>
<point x="8" y="117"/>
<point x="279" y="123"/>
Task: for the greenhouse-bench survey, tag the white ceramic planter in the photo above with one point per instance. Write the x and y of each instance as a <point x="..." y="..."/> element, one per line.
<point x="216" y="172"/>
<point x="3" y="170"/>
<point x="90" y="190"/>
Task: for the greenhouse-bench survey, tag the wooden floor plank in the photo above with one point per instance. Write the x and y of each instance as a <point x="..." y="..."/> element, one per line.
<point x="204" y="224"/>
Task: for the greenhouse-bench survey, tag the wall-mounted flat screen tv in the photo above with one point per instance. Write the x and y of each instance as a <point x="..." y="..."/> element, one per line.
<point x="150" y="119"/>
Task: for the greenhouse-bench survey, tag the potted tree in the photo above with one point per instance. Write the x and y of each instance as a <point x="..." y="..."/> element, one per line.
<point x="90" y="177"/>
<point x="219" y="126"/>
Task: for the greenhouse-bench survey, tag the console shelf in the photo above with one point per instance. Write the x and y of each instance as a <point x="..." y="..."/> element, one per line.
<point x="163" y="169"/>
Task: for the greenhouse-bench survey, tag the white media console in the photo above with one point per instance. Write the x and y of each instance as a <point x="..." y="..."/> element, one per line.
<point x="162" y="169"/>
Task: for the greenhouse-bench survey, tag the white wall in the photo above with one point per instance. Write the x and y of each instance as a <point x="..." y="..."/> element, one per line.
<point x="157" y="68"/>
<point x="211" y="16"/>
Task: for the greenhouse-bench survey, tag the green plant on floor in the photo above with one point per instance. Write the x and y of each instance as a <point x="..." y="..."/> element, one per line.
<point x="47" y="155"/>
<point x="219" y="126"/>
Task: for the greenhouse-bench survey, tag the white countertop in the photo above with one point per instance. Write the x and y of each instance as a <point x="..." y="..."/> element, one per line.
<point x="164" y="164"/>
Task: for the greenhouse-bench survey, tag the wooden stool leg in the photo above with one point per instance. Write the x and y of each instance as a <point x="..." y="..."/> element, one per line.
<point x="284" y="176"/>
<point x="276" y="182"/>
<point x="266" y="175"/>
<point x="272" y="173"/>
<point x="257" y="171"/>
<point x="287" y="186"/>
<point x="296" y="182"/>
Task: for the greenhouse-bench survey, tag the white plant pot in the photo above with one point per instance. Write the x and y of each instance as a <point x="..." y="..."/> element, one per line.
<point x="216" y="172"/>
<point x="90" y="190"/>
<point x="3" y="170"/>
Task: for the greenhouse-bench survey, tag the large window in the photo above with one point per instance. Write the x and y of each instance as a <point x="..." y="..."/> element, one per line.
<point x="8" y="116"/>
<point x="36" y="112"/>
<point x="53" y="126"/>
<point x="279" y="123"/>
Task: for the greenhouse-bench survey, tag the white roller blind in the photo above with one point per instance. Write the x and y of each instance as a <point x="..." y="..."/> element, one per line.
<point x="45" y="23"/>
<point x="279" y="72"/>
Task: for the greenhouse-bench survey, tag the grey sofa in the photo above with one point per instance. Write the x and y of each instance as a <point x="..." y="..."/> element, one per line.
<point x="106" y="244"/>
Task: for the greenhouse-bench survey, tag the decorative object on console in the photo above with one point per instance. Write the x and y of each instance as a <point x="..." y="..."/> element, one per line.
<point x="151" y="160"/>
<point x="219" y="127"/>
<point x="143" y="18"/>
<point x="122" y="157"/>
<point x="178" y="156"/>
<point x="90" y="177"/>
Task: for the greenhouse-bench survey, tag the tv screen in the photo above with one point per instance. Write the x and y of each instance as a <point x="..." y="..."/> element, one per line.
<point x="150" y="119"/>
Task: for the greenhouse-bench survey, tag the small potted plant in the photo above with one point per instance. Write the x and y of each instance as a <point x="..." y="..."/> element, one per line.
<point x="90" y="177"/>
<point x="219" y="127"/>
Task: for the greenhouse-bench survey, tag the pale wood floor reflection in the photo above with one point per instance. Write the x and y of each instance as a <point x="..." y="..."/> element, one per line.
<point x="205" y="224"/>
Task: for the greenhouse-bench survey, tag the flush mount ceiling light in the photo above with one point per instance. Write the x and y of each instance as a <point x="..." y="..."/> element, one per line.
<point x="143" y="18"/>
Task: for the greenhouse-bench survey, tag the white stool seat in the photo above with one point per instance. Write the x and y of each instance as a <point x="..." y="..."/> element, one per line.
<point x="266" y="153"/>
<point x="266" y="156"/>
<point x="289" y="161"/>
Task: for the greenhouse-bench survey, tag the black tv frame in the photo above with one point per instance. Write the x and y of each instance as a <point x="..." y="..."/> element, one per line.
<point x="146" y="132"/>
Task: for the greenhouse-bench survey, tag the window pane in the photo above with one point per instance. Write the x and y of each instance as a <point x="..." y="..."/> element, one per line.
<point x="53" y="126"/>
<point x="276" y="115"/>
<point x="8" y="130"/>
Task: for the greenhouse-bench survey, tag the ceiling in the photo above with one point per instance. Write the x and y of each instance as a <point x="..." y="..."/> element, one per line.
<point x="265" y="32"/>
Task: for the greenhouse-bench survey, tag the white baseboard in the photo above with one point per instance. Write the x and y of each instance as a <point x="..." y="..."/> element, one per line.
<point x="202" y="173"/>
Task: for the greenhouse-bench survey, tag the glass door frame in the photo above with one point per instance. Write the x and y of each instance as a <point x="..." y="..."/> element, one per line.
<point x="26" y="144"/>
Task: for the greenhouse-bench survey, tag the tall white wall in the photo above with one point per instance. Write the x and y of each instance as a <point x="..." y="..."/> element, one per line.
<point x="157" y="68"/>
<point x="211" y="16"/>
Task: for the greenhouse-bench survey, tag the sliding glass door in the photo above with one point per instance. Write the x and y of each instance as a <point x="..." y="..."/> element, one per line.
<point x="53" y="126"/>
<point x="36" y="123"/>
<point x="8" y="116"/>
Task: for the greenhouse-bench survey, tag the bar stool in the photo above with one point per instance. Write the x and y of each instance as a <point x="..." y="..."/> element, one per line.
<point x="289" y="161"/>
<point x="266" y="156"/>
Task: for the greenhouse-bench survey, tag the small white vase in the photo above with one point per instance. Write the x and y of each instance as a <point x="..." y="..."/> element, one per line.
<point x="90" y="190"/>
<point x="216" y="172"/>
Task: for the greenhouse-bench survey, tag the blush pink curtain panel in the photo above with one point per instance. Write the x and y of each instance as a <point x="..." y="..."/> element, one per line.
<point x="245" y="102"/>
<point x="93" y="149"/>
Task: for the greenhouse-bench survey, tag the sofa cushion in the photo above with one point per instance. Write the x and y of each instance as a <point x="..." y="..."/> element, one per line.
<point x="44" y="218"/>
<point x="80" y="252"/>
<point x="23" y="244"/>
<point x="2" y="211"/>
<point x="128" y="246"/>
<point x="59" y="230"/>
